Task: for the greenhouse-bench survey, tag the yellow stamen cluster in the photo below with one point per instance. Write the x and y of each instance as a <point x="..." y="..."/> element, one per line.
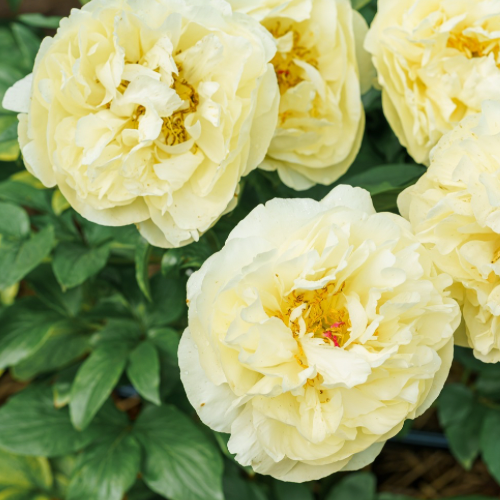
<point x="318" y="312"/>
<point x="472" y="47"/>
<point x="173" y="126"/>
<point x="288" y="73"/>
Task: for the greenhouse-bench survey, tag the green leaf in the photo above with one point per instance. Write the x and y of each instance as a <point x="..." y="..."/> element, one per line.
<point x="141" y="492"/>
<point x="169" y="301"/>
<point x="119" y="331"/>
<point x="107" y="470"/>
<point x="235" y="487"/>
<point x="171" y="260"/>
<point x="144" y="371"/>
<point x="360" y="485"/>
<point x="26" y="325"/>
<point x="44" y="283"/>
<point x="488" y="386"/>
<point x="9" y="150"/>
<point x="24" y="473"/>
<point x="95" y="380"/>
<point x="62" y="385"/>
<point x="490" y="436"/>
<point x="168" y="294"/>
<point x="179" y="460"/>
<point x="292" y="491"/>
<point x="97" y="235"/>
<point x="31" y="425"/>
<point x="14" y="221"/>
<point x="9" y="147"/>
<point x="24" y="194"/>
<point x="74" y="263"/>
<point x="142" y="254"/>
<point x="27" y="42"/>
<point x="15" y="494"/>
<point x="66" y="343"/>
<point x="464" y="438"/>
<point x="385" y="178"/>
<point x="461" y="417"/>
<point x="59" y="203"/>
<point x="17" y="259"/>
<point x="62" y="468"/>
<point x="167" y="340"/>
<point x="37" y="20"/>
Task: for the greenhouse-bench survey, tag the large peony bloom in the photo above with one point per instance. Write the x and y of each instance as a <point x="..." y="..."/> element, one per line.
<point x="319" y="64"/>
<point x="149" y="112"/>
<point x="455" y="211"/>
<point x="314" y="333"/>
<point x="437" y="61"/>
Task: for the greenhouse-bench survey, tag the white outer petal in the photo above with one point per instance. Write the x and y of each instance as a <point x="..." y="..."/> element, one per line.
<point x="351" y="197"/>
<point x="364" y="458"/>
<point x="211" y="402"/>
<point x="18" y="97"/>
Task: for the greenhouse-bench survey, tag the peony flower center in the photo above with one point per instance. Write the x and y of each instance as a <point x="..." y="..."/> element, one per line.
<point x="173" y="129"/>
<point x="173" y="126"/>
<point x="288" y="72"/>
<point x="472" y="47"/>
<point x="317" y="312"/>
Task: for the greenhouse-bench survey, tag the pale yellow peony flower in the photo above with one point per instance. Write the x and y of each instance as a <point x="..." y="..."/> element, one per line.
<point x="319" y="64"/>
<point x="455" y="212"/>
<point x="315" y="333"/>
<point x="437" y="61"/>
<point x="150" y="112"/>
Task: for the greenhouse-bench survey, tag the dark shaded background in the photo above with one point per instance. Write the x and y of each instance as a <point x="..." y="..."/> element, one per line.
<point x="47" y="7"/>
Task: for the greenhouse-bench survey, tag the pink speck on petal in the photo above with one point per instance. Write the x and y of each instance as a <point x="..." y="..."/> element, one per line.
<point x="335" y="341"/>
<point x="338" y="325"/>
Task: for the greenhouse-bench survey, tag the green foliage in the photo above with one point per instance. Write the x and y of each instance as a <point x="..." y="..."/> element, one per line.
<point x="95" y="380"/>
<point x="179" y="461"/>
<point x="24" y="478"/>
<point x="290" y="491"/>
<point x="31" y="425"/>
<point x="144" y="371"/>
<point x="74" y="263"/>
<point x="462" y="417"/>
<point x="107" y="470"/>
<point x="470" y="414"/>
<point x="359" y="485"/>
<point x="37" y="20"/>
<point x="142" y="256"/>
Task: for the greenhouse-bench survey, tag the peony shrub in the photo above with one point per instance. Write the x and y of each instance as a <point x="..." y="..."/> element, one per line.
<point x="178" y="323"/>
